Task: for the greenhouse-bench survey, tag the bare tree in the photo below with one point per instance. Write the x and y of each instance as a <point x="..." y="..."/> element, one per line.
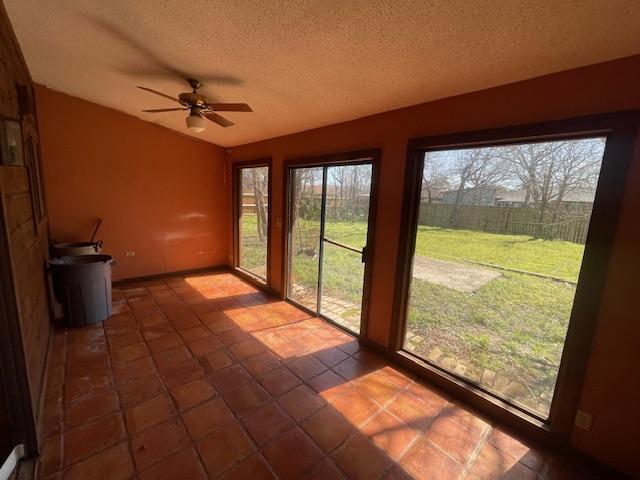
<point x="475" y="169"/>
<point x="526" y="164"/>
<point x="345" y="187"/>
<point x="434" y="177"/>
<point x="354" y="191"/>
<point x="304" y="202"/>
<point x="578" y="169"/>
<point x="358" y="181"/>
<point x="339" y="183"/>
<point x="257" y="181"/>
<point x="297" y="190"/>
<point x="550" y="171"/>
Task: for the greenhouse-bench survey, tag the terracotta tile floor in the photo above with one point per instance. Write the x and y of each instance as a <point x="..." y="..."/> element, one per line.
<point x="206" y="377"/>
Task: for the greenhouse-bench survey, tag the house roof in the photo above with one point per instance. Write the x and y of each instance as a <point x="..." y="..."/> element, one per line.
<point x="518" y="196"/>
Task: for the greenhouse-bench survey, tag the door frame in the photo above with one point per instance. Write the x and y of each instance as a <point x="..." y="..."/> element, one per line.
<point x="372" y="157"/>
<point x="621" y="130"/>
<point x="236" y="168"/>
<point x="13" y="366"/>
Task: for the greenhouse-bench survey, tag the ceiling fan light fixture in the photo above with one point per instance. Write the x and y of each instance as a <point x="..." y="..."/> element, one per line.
<point x="195" y="122"/>
<point x="200" y="109"/>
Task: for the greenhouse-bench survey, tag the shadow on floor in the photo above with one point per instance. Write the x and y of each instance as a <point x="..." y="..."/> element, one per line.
<point x="206" y="377"/>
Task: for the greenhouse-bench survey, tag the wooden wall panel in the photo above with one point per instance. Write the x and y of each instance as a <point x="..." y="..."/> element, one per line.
<point x="27" y="232"/>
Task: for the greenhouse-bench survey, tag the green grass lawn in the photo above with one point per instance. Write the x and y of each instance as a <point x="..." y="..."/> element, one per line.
<point x="547" y="257"/>
<point x="514" y="325"/>
<point x="253" y="252"/>
<point x="343" y="274"/>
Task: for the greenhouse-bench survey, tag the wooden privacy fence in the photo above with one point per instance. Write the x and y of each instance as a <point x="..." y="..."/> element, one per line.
<point x="571" y="227"/>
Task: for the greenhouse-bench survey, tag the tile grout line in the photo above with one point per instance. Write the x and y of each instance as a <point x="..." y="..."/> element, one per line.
<point x="484" y="438"/>
<point x="167" y="391"/>
<point x="237" y="417"/>
<point x="117" y="393"/>
<point x="178" y="412"/>
<point x="166" y="388"/>
<point x="326" y="457"/>
<point x="356" y="428"/>
<point x="239" y="362"/>
<point x="87" y="396"/>
<point x="94" y="420"/>
<point x="296" y="423"/>
<point x="122" y="408"/>
<point x="258" y="451"/>
<point x="421" y="432"/>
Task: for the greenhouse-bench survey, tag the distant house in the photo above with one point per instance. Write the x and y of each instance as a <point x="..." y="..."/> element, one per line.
<point x="474" y="196"/>
<point x="501" y="197"/>
<point x="577" y="199"/>
<point x="436" y="197"/>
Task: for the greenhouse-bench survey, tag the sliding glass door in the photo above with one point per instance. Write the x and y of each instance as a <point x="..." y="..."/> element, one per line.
<point x="328" y="234"/>
<point x="497" y="251"/>
<point x="252" y="220"/>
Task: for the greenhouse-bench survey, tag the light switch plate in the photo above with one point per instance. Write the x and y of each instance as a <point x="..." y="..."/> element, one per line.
<point x="583" y="420"/>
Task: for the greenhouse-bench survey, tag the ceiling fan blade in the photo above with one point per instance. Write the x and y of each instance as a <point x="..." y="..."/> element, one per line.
<point x="230" y="107"/>
<point x="157" y="110"/>
<point x="159" y="93"/>
<point x="219" y="119"/>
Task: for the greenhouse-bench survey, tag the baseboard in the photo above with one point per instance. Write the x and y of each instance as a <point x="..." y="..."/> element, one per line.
<point x="255" y="282"/>
<point x="160" y="276"/>
<point x="201" y="271"/>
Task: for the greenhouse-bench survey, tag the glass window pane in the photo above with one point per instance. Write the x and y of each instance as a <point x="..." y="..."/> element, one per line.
<point x="343" y="277"/>
<point x="499" y="245"/>
<point x="345" y="233"/>
<point x="347" y="209"/>
<point x="304" y="235"/>
<point x="254" y="220"/>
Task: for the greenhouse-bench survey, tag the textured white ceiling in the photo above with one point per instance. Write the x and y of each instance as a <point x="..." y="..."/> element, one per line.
<point x="305" y="64"/>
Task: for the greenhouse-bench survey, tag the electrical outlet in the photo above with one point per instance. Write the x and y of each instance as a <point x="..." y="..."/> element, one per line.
<point x="130" y="253"/>
<point x="583" y="420"/>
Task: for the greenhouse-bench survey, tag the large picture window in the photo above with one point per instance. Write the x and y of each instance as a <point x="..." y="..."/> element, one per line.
<point x="252" y="220"/>
<point x="499" y="246"/>
<point x="503" y="259"/>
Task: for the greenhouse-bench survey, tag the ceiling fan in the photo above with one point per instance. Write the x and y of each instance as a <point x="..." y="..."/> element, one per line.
<point x="199" y="107"/>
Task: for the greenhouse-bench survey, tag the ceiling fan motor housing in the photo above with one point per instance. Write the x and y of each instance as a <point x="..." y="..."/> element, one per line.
<point x="193" y="99"/>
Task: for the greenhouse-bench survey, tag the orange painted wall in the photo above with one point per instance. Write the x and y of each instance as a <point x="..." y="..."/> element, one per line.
<point x="612" y="387"/>
<point x="159" y="193"/>
<point x="600" y="88"/>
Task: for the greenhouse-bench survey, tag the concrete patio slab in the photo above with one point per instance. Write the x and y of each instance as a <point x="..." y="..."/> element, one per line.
<point x="457" y="276"/>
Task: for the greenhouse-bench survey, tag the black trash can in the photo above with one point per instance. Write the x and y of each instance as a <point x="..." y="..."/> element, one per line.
<point x="82" y="285"/>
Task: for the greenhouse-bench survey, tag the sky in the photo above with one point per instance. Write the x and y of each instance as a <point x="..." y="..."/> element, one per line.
<point x="446" y="159"/>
